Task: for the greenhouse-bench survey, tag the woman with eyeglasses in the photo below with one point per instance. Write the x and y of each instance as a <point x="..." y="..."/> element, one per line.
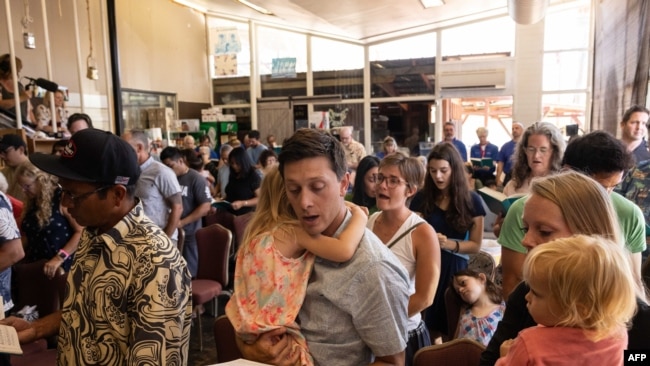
<point x="538" y="153"/>
<point x="49" y="230"/>
<point x="414" y="244"/>
<point x="364" y="188"/>
<point x="456" y="214"/>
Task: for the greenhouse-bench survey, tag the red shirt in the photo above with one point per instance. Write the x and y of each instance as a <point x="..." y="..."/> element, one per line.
<point x="17" y="207"/>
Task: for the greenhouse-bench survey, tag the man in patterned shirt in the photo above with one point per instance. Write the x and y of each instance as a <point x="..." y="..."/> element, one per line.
<point x="128" y="298"/>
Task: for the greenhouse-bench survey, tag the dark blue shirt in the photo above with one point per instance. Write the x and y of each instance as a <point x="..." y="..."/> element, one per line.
<point x="505" y="155"/>
<point x="460" y="146"/>
<point x="641" y="152"/>
<point x="438" y="220"/>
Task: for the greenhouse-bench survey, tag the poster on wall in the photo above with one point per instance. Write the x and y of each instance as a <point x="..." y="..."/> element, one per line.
<point x="319" y="120"/>
<point x="225" y="41"/>
<point x="225" y="65"/>
<point x="283" y="67"/>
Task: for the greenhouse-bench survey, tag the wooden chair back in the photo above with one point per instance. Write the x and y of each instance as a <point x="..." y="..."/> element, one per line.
<point x="457" y="352"/>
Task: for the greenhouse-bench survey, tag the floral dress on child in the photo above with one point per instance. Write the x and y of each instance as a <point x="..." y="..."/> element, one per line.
<point x="269" y="290"/>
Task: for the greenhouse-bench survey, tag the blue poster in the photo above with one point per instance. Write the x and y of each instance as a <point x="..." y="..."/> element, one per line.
<point x="283" y="67"/>
<point x="227" y="41"/>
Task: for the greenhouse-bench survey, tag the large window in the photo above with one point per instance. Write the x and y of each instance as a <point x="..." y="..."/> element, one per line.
<point x="486" y="37"/>
<point x="566" y="64"/>
<point x="338" y="68"/>
<point x="564" y="109"/>
<point x="282" y="62"/>
<point x="566" y="70"/>
<point x="405" y="67"/>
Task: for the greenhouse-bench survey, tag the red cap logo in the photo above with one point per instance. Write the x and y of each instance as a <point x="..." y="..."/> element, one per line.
<point x="69" y="150"/>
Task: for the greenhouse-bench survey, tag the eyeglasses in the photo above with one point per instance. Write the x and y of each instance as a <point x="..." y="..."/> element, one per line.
<point x="391" y="182"/>
<point x="534" y="150"/>
<point x="78" y="198"/>
<point x="7" y="150"/>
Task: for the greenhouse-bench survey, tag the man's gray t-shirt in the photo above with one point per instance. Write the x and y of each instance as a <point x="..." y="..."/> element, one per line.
<point x="157" y="182"/>
<point x="223" y="176"/>
<point x="255" y="152"/>
<point x="356" y="309"/>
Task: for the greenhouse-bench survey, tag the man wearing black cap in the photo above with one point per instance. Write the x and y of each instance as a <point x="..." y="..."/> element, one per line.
<point x="128" y="298"/>
<point x="13" y="152"/>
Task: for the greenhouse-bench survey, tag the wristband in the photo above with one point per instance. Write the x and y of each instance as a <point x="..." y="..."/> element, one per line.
<point x="457" y="246"/>
<point x="63" y="254"/>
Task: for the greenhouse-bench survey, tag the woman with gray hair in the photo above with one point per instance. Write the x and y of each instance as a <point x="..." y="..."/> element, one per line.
<point x="538" y="153"/>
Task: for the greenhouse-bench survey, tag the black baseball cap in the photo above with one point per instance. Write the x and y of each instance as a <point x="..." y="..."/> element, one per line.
<point x="11" y="140"/>
<point x="93" y="156"/>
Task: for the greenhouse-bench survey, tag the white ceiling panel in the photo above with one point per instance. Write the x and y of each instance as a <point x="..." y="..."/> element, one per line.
<point x="360" y="20"/>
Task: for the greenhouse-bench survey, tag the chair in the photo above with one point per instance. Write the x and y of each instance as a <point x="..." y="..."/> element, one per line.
<point x="31" y="287"/>
<point x="224" y="337"/>
<point x="220" y="216"/>
<point x="458" y="352"/>
<point x="213" y="243"/>
<point x="453" y="305"/>
<point x="240" y="222"/>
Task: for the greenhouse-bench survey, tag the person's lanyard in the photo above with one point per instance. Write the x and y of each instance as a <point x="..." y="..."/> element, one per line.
<point x="483" y="151"/>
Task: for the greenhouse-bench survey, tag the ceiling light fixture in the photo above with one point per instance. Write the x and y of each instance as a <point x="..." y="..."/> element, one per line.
<point x="432" y="3"/>
<point x="527" y="11"/>
<point x="191" y="5"/>
<point x="257" y="8"/>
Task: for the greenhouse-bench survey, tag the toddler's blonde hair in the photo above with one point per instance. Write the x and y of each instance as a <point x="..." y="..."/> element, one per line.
<point x="590" y="278"/>
<point x="272" y="209"/>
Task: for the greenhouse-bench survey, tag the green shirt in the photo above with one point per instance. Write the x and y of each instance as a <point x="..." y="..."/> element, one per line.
<point x="371" y="210"/>
<point x="630" y="218"/>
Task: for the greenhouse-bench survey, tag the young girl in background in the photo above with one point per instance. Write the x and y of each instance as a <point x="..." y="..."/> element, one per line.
<point x="482" y="308"/>
<point x="274" y="263"/>
<point x="49" y="232"/>
<point x="582" y="295"/>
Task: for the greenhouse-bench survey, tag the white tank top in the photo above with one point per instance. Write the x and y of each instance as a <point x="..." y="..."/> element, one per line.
<point x="403" y="250"/>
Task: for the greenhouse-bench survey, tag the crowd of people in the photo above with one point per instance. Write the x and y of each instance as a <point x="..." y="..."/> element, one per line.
<point x="372" y="241"/>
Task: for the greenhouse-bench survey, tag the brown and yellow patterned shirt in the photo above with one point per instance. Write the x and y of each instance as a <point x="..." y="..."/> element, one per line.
<point x="128" y="298"/>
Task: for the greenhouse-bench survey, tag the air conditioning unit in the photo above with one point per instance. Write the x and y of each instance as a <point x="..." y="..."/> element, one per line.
<point x="473" y="79"/>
